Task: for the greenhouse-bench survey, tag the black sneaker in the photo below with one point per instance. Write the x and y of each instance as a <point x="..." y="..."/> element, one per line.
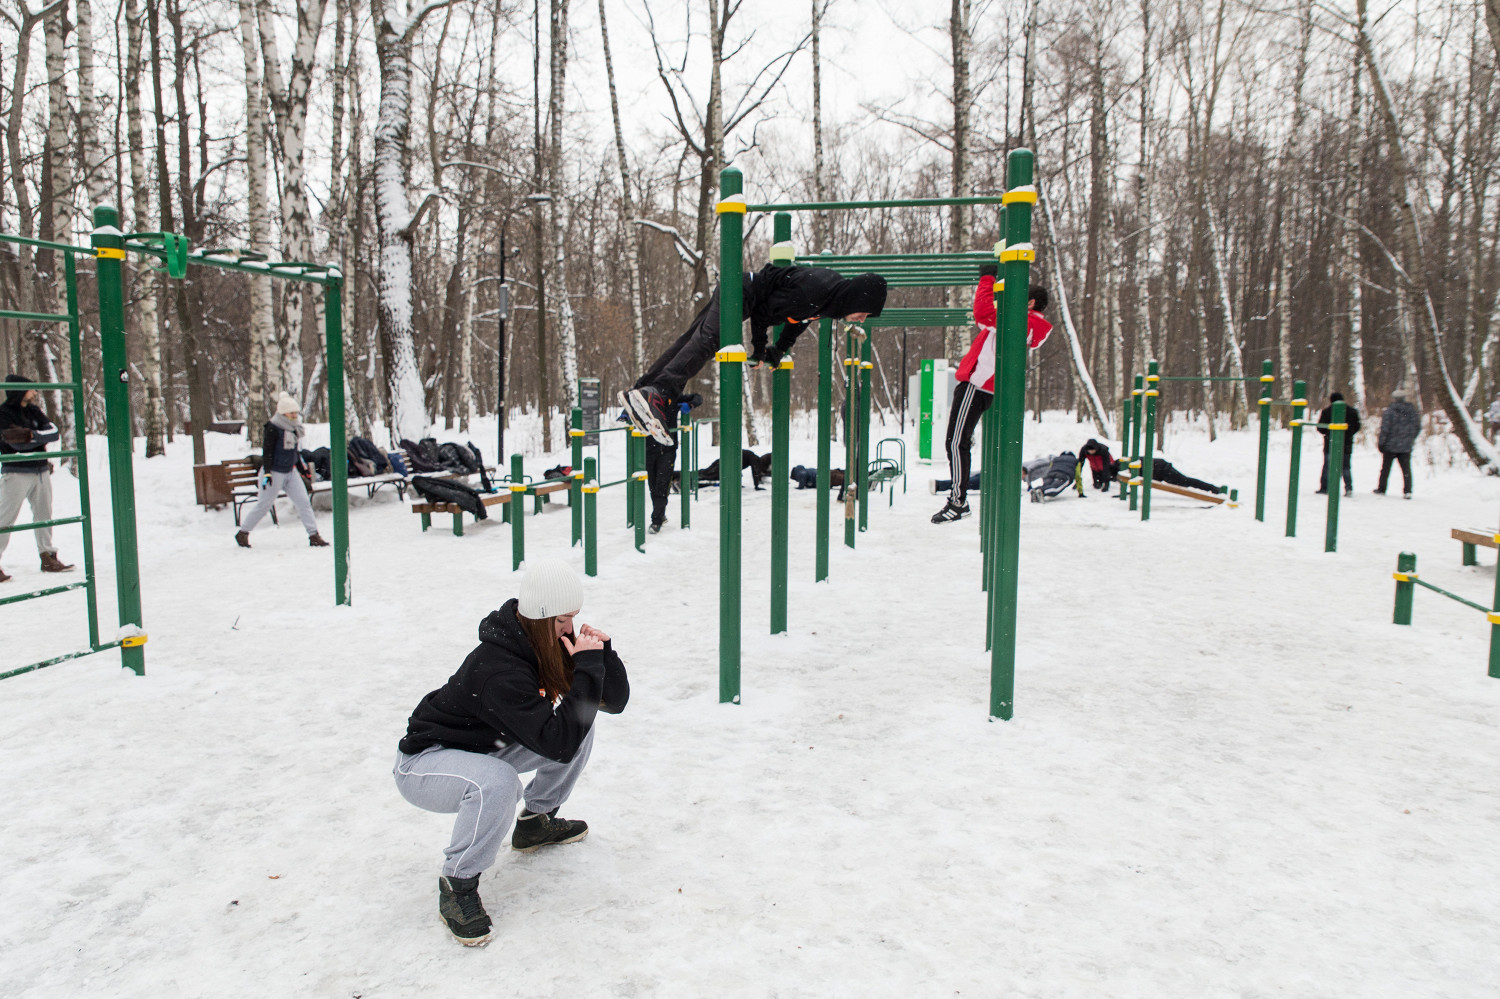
<point x="1348" y="492"/>
<point x="648" y="408"/>
<point x="535" y="830"/>
<point x="951" y="511"/>
<point x="654" y="528"/>
<point x="462" y="911"/>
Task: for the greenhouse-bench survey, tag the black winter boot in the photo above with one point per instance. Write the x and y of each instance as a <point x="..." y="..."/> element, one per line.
<point x="462" y="911"/>
<point x="535" y="830"/>
<point x="316" y="541"/>
<point x="242" y="539"/>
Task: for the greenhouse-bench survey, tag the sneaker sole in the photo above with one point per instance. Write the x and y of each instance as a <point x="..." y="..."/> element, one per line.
<point x="645" y="420"/>
<point x="555" y="842"/>
<point x="468" y="941"/>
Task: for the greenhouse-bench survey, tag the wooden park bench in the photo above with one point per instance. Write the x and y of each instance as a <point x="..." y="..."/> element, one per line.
<point x="541" y="491"/>
<point x="1472" y="538"/>
<point x="1167" y="487"/>
<point x="244" y="482"/>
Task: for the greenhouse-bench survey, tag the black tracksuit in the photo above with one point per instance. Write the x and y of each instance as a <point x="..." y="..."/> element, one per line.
<point x="495" y="698"/>
<point x="43" y="432"/>
<point x="1163" y="471"/>
<point x="772" y="296"/>
<point x="1351" y="417"/>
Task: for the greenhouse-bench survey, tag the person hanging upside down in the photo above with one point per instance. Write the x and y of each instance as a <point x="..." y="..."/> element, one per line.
<point x="774" y="295"/>
<point x="976" y="384"/>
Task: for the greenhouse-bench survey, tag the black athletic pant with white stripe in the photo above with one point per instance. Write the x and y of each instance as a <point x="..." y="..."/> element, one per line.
<point x="969" y="404"/>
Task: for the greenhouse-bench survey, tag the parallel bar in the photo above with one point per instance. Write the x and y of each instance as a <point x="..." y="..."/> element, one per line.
<point x="823" y="260"/>
<point x="85" y="508"/>
<point x="825" y="435"/>
<point x="338" y="434"/>
<point x="41" y="455"/>
<point x="1452" y="596"/>
<point x="41" y="523"/>
<point x="47" y="244"/>
<point x="829" y="206"/>
<point x="781" y="418"/>
<point x="58" y="659"/>
<point x="19" y="597"/>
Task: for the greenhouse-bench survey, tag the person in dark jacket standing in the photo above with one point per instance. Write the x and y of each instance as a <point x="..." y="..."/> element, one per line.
<point x="25" y="429"/>
<point x="524" y="700"/>
<point x="792" y="297"/>
<point x="1399" y="426"/>
<point x="282" y="468"/>
<point x="660" y="460"/>
<point x="1351" y="417"/>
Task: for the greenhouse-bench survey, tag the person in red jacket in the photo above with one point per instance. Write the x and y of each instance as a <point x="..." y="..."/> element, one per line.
<point x="976" y="384"/>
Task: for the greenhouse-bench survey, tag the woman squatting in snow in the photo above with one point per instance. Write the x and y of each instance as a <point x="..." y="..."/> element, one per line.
<point x="524" y="700"/>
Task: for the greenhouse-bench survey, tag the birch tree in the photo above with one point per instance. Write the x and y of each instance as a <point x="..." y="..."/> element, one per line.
<point x="154" y="410"/>
<point x="395" y="220"/>
<point x="559" y="210"/>
<point x="631" y="233"/>
<point x="265" y="354"/>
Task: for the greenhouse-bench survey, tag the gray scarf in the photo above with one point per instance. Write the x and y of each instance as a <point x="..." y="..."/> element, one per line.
<point x="291" y="432"/>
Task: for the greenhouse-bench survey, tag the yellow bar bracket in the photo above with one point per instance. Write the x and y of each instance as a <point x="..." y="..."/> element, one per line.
<point x="727" y="357"/>
<point x="114" y="253"/>
<point x="734" y="203"/>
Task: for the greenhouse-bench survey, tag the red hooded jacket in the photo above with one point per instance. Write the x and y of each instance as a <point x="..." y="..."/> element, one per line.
<point x="978" y="366"/>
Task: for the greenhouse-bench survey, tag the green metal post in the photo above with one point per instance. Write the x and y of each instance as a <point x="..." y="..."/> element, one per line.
<point x="75" y="360"/>
<point x="1266" y="378"/>
<point x="926" y="384"/>
<point x="731" y="212"/>
<point x="638" y="488"/>
<point x="109" y="244"/>
<point x="1010" y="400"/>
<point x="338" y="434"/>
<point x="865" y="369"/>
<point x="1299" y="409"/>
<point x="825" y="435"/>
<point x="590" y="517"/>
<point x="1152" y="378"/>
<point x="1494" y="619"/>
<point x="1406" y="571"/>
<point x="575" y="484"/>
<point x="517" y="513"/>
<point x="684" y="477"/>
<point x="781" y="407"/>
<point x="1336" y="429"/>
<point x="630" y="470"/>
<point x="1133" y="465"/>
<point x="1125" y="441"/>
<point x="851" y="435"/>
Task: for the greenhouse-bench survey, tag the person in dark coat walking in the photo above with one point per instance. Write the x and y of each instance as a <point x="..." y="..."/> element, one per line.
<point x="25" y="429"/>
<point x="282" y="469"/>
<point x="525" y="699"/>
<point x="792" y="297"/>
<point x="1399" y="426"/>
<point x="1351" y="417"/>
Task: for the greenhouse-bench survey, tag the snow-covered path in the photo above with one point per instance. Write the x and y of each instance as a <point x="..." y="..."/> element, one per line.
<point x="1228" y="773"/>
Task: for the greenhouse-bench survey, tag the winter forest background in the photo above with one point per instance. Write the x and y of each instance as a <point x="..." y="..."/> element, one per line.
<point x="1222" y="182"/>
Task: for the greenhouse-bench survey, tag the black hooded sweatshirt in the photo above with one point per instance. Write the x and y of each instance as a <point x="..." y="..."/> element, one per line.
<point x="44" y="432"/>
<point x="495" y="698"/>
<point x="778" y="294"/>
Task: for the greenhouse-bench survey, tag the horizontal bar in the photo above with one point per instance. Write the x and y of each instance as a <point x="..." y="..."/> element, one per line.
<point x="41" y="317"/>
<point x="40" y="455"/>
<point x="1452" y="596"/>
<point x="43" y="593"/>
<point x="978" y="256"/>
<point x="829" y="206"/>
<point x="47" y="245"/>
<point x="39" y="386"/>
<point x="617" y="482"/>
<point x="41" y="523"/>
<point x="1200" y="378"/>
<point x="229" y="260"/>
<point x="60" y="659"/>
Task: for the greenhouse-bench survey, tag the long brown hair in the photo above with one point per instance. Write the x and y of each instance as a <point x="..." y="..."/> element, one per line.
<point x="554" y="665"/>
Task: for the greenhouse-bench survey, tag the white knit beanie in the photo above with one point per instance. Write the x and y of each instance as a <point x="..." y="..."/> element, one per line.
<point x="550" y="587"/>
<point x="286" y="405"/>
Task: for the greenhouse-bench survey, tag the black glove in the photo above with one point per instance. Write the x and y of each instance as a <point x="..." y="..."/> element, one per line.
<point x="757" y="356"/>
<point x="773" y="356"/>
<point x="992" y="270"/>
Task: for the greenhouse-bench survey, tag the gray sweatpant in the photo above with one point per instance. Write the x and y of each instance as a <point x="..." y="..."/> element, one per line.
<point x="484" y="788"/>
<point x="295" y="491"/>
<point x="15" y="489"/>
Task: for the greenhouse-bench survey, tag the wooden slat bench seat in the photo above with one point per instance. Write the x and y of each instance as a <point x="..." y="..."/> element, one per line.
<point x="1167" y="487"/>
<point x="1472" y="537"/>
<point x="428" y="509"/>
<point x="244" y="484"/>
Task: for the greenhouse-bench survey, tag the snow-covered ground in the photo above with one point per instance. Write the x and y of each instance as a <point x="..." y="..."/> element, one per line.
<point x="1228" y="774"/>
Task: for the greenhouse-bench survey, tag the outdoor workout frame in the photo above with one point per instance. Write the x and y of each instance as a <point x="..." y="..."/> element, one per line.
<point x="1003" y="529"/>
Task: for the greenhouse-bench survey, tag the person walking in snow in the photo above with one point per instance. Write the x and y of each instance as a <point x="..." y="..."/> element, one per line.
<point x="976" y="385"/>
<point x="1399" y="426"/>
<point x="25" y="429"/>
<point x="1351" y="418"/>
<point x="282" y="468"/>
<point x="524" y="700"/>
<point x="774" y="295"/>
